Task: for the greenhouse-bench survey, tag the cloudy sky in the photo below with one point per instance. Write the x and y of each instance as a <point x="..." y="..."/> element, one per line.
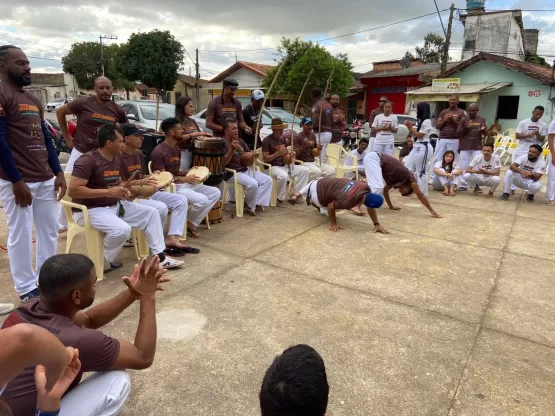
<point x="246" y="29"/>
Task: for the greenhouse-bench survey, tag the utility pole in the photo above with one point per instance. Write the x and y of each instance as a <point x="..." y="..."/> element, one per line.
<point x="197" y="78"/>
<point x="445" y="56"/>
<point x="102" y="51"/>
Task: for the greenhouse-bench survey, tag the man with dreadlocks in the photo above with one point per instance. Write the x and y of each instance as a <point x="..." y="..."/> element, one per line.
<point x="30" y="173"/>
<point x="224" y="107"/>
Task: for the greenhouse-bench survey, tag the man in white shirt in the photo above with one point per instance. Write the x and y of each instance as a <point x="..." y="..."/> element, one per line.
<point x="358" y="153"/>
<point x="525" y="173"/>
<point x="484" y="170"/>
<point x="530" y="131"/>
<point x="550" y="193"/>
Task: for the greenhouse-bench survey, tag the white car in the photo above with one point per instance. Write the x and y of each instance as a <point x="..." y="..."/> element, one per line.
<point x="57" y="103"/>
<point x="143" y="113"/>
<point x="403" y="132"/>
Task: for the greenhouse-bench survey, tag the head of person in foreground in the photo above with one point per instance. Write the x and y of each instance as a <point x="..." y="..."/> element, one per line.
<point x="296" y="384"/>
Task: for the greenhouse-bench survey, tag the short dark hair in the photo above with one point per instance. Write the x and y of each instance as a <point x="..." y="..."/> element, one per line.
<point x="488" y="144"/>
<point x="364" y="140"/>
<point x="107" y="133"/>
<point x="169" y="124"/>
<point x="62" y="273"/>
<point x="537" y="147"/>
<point x="227" y="122"/>
<point x="4" y="52"/>
<point x="456" y="96"/>
<point x="295" y="384"/>
<point x="316" y="93"/>
<point x="539" y="107"/>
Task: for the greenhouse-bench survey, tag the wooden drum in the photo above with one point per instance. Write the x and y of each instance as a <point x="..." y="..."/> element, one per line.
<point x="215" y="214"/>
<point x="210" y="152"/>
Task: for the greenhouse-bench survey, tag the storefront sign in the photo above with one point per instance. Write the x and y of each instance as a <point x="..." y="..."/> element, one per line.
<point x="387" y="90"/>
<point x="469" y="98"/>
<point x="446" y="85"/>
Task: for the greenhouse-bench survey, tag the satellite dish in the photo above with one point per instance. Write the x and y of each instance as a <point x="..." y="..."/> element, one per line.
<point x="405" y="62"/>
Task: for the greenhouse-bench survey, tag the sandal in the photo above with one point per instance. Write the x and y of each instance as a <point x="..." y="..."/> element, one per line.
<point x="173" y="252"/>
<point x="191" y="232"/>
<point x="357" y="213"/>
<point x="551" y="203"/>
<point x="292" y="200"/>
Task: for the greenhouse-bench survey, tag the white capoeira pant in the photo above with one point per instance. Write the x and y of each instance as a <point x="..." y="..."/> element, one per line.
<point x="324" y="139"/>
<point x="373" y="169"/>
<point x="419" y="164"/>
<point x="513" y="178"/>
<point x="73" y="156"/>
<point x="388" y="148"/>
<point x="312" y="186"/>
<point x="201" y="197"/>
<point x="475" y="179"/>
<point x="101" y="394"/>
<point x="118" y="230"/>
<point x="519" y="151"/>
<point x="43" y="213"/>
<point x="550" y="192"/>
<point x="258" y="190"/>
<point x="440" y="181"/>
<point x="164" y="201"/>
<point x="316" y="171"/>
<point x="466" y="157"/>
<point x="442" y="146"/>
<point x="281" y="174"/>
<point x="186" y="161"/>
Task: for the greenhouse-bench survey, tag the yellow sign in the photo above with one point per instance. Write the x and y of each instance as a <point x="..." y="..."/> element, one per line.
<point x="446" y="85"/>
<point x="469" y="98"/>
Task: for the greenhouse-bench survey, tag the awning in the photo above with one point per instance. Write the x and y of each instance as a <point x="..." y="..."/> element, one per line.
<point x="468" y="92"/>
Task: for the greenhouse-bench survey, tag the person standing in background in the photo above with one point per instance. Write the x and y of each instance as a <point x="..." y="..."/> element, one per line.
<point x="184" y="110"/>
<point x="322" y="128"/>
<point x="471" y="130"/>
<point x="550" y="193"/>
<point x="224" y="107"/>
<point x="419" y="159"/>
<point x="373" y="114"/>
<point x="339" y="123"/>
<point x="251" y="112"/>
<point x="385" y="127"/>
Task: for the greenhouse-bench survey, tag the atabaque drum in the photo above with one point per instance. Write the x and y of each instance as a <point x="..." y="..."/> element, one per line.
<point x="210" y="152"/>
<point x="215" y="214"/>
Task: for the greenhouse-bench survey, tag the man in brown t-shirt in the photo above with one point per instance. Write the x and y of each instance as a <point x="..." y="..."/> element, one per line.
<point x="339" y="124"/>
<point x="167" y="156"/>
<point x="322" y="128"/>
<point x="258" y="186"/>
<point x="92" y="112"/>
<point x="447" y="123"/>
<point x="331" y="194"/>
<point x="304" y="142"/>
<point x="274" y="147"/>
<point x="67" y="283"/>
<point x="471" y="130"/>
<point x="96" y="183"/>
<point x="382" y="168"/>
<point x="224" y="107"/>
<point x="28" y="164"/>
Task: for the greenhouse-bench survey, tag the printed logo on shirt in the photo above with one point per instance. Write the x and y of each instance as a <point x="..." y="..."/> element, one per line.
<point x="28" y="110"/>
<point x="131" y="169"/>
<point x="111" y="175"/>
<point x="35" y="131"/>
<point x="101" y="118"/>
<point x="348" y="187"/>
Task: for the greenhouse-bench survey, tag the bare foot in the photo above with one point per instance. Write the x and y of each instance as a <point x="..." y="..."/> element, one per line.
<point x="446" y="192"/>
<point x="489" y="195"/>
<point x="357" y="211"/>
<point x="476" y="190"/>
<point x="452" y="193"/>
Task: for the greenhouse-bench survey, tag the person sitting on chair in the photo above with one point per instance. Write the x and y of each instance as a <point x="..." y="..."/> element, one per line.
<point x="304" y="142"/>
<point x="525" y="173"/>
<point x="360" y="152"/>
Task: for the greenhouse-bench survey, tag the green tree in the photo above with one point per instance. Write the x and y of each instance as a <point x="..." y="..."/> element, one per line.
<point x="432" y="50"/>
<point x="409" y="55"/>
<point x="534" y="58"/>
<point x="302" y="57"/>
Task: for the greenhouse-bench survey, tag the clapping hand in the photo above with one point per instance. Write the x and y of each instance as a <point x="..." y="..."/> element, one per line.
<point x="145" y="281"/>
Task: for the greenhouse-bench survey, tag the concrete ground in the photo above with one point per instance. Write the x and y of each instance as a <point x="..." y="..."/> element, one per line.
<point x="449" y="316"/>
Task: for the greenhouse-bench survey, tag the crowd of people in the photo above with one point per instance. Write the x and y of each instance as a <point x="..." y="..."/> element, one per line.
<point x="120" y="191"/>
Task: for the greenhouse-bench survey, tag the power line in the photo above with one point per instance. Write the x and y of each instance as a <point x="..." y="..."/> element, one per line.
<point x="189" y="56"/>
<point x="33" y="43"/>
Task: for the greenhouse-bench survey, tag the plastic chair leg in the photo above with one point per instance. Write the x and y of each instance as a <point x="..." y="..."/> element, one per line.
<point x="273" y="197"/>
<point x="141" y="243"/>
<point x="239" y="200"/>
<point x="71" y="233"/>
<point x="95" y="250"/>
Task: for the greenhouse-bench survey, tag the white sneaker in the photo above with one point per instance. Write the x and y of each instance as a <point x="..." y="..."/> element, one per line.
<point x="170" y="263"/>
<point x="6" y="308"/>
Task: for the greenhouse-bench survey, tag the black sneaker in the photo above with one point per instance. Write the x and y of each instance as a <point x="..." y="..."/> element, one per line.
<point x="259" y="208"/>
<point x="35" y="293"/>
<point x="251" y="211"/>
<point x="504" y="197"/>
<point x="530" y="198"/>
<point x="280" y="204"/>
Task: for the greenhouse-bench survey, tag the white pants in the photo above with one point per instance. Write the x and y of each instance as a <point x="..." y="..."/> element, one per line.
<point x="419" y="164"/>
<point x="442" y="146"/>
<point x="440" y="181"/>
<point x="518" y="152"/>
<point x="164" y="201"/>
<point x="258" y="190"/>
<point x="201" y="197"/>
<point x="42" y="212"/>
<point x="474" y="180"/>
<point x="316" y="171"/>
<point x="388" y="149"/>
<point x="324" y="139"/>
<point x="313" y="196"/>
<point x="550" y="192"/>
<point x="73" y="156"/>
<point x="118" y="230"/>
<point x="466" y="157"/>
<point x="101" y="394"/>
<point x="281" y="174"/>
<point x="512" y="178"/>
<point x="373" y="169"/>
<point x="186" y="160"/>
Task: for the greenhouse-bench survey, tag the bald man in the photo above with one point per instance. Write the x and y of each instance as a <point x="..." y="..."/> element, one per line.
<point x="92" y="112"/>
<point x="339" y="124"/>
<point x="471" y="130"/>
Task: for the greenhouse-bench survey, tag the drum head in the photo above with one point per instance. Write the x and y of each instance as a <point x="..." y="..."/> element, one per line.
<point x="163" y="179"/>
<point x="201" y="171"/>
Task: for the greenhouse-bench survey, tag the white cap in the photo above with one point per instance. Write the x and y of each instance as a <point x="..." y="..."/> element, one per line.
<point x="257" y="95"/>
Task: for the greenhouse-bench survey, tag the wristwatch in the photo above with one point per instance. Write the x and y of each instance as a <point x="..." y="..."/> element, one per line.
<point x="39" y="413"/>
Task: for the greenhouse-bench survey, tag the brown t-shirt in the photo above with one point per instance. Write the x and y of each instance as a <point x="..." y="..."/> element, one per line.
<point x="235" y="162"/>
<point x="90" y="116"/>
<point x="167" y="158"/>
<point x="222" y="110"/>
<point x="97" y="352"/>
<point x="270" y="145"/>
<point x="101" y="173"/>
<point x="344" y="193"/>
<point x="405" y="151"/>
<point x="373" y="115"/>
<point x="306" y="154"/>
<point x="449" y="130"/>
<point x="470" y="132"/>
<point x="394" y="172"/>
<point x="132" y="163"/>
<point x="327" y="116"/>
<point x="23" y="114"/>
<point x="190" y="126"/>
<point x="338" y="125"/>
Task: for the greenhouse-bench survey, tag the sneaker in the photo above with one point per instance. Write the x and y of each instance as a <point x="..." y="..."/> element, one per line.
<point x="6" y="308"/>
<point x="35" y="293"/>
<point x="129" y="243"/>
<point x="109" y="266"/>
<point x="251" y="211"/>
<point x="503" y="197"/>
<point x="462" y="189"/>
<point x="170" y="263"/>
<point x="529" y="198"/>
<point x="259" y="208"/>
<point x="280" y="204"/>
